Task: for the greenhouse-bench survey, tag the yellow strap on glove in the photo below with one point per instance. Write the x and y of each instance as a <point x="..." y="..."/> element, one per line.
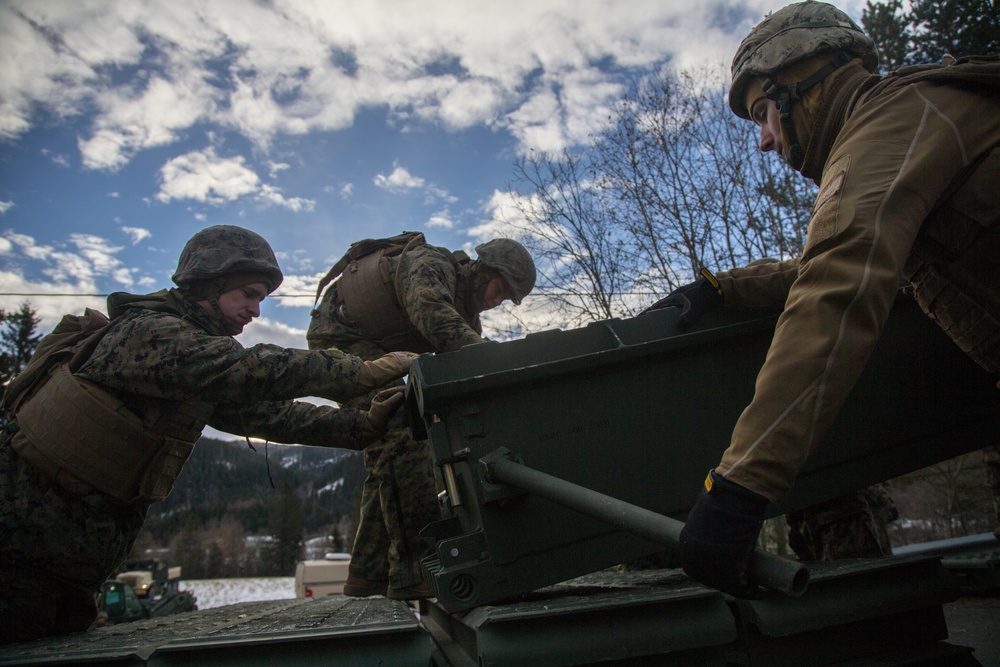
<point x="382" y="371"/>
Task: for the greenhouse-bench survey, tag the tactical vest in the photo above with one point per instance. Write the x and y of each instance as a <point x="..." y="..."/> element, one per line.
<point x="84" y="437"/>
<point x="954" y="263"/>
<point x="367" y="294"/>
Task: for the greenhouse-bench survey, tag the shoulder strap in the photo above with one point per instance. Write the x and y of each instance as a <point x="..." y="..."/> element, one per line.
<point x="394" y="245"/>
<point x="71" y="342"/>
<point x="981" y="71"/>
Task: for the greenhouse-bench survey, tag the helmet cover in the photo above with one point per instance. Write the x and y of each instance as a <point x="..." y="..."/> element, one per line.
<point x="513" y="262"/>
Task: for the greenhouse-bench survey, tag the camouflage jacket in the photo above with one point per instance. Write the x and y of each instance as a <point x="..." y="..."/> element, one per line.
<point x="166" y="348"/>
<point x="438" y="298"/>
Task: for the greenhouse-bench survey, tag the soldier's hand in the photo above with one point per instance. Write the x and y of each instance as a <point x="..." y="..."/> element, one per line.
<point x="382" y="371"/>
<point x="694" y="299"/>
<point x="376" y="423"/>
<point x="720" y="535"/>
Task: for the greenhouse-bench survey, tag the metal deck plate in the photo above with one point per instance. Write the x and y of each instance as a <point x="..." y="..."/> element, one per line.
<point x="610" y="618"/>
<point x="286" y="632"/>
<point x="863" y="612"/>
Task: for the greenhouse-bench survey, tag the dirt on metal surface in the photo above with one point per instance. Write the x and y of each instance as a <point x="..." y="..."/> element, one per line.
<point x="285" y="618"/>
<point x="975" y="622"/>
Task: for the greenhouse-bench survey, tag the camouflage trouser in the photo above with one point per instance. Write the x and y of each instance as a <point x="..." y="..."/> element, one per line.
<point x="398" y="499"/>
<point x="991" y="458"/>
<point x="851" y="526"/>
<point x="55" y="550"/>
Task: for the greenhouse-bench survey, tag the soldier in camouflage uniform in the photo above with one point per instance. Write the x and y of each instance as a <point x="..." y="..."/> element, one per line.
<point x="851" y="526"/>
<point x="425" y="299"/>
<point x="84" y="454"/>
<point x="907" y="167"/>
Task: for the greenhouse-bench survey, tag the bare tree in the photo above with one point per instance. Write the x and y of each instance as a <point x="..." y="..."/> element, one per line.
<point x="694" y="188"/>
<point x="586" y="265"/>
<point x="674" y="182"/>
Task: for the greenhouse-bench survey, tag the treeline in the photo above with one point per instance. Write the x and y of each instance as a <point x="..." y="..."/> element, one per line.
<point x="235" y="512"/>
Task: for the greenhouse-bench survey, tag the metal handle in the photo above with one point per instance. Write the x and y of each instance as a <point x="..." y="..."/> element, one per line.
<point x="768" y="570"/>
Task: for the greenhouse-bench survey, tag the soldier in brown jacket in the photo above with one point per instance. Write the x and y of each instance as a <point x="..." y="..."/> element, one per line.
<point x="908" y="166"/>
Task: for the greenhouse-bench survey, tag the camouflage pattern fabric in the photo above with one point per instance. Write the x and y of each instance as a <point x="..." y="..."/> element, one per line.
<point x="438" y="297"/>
<point x="225" y="250"/>
<point x="513" y="262"/>
<point x="164" y="349"/>
<point x="398" y="499"/>
<point x="790" y="35"/>
<point x="399" y="496"/>
<point x="55" y="550"/>
<point x="851" y="526"/>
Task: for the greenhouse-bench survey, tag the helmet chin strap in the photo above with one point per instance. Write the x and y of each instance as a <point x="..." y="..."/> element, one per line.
<point x="785" y="93"/>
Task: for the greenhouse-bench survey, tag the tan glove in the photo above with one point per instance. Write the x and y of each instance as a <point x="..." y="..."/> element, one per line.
<point x="384" y="406"/>
<point x="385" y="369"/>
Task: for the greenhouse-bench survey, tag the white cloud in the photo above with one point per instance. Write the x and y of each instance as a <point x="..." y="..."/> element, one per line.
<point x="505" y="219"/>
<point x="5" y="206"/>
<point x="153" y="116"/>
<point x="143" y="73"/>
<point x="60" y="297"/>
<point x="73" y="274"/>
<point x="440" y="220"/>
<point x="275" y="168"/>
<point x="399" y="180"/>
<point x="271" y="195"/>
<point x="205" y="177"/>
<point x="137" y="234"/>
<point x="267" y="330"/>
<point x="94" y="257"/>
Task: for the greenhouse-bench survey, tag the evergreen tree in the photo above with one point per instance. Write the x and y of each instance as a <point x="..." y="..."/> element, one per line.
<point x="888" y="26"/>
<point x="18" y="340"/>
<point x="956" y="27"/>
<point x="930" y="29"/>
<point x="285" y="526"/>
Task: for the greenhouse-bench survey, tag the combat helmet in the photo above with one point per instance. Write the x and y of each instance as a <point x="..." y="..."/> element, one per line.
<point x="226" y="250"/>
<point x="513" y="262"/>
<point x="790" y="35"/>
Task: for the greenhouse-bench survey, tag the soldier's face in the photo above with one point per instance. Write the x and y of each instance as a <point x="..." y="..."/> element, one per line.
<point x="240" y="306"/>
<point x="496" y="293"/>
<point x="765" y="113"/>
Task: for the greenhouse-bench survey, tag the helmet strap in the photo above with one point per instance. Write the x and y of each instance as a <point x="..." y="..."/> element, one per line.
<point x="480" y="276"/>
<point x="785" y="93"/>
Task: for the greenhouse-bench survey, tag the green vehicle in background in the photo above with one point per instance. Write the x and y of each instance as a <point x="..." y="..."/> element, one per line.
<point x="143" y="589"/>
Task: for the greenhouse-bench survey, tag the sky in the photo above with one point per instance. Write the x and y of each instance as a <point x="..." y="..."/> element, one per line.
<point x="127" y="126"/>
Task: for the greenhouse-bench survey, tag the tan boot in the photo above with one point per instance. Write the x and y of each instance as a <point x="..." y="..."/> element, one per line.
<point x="359" y="587"/>
<point x="420" y="591"/>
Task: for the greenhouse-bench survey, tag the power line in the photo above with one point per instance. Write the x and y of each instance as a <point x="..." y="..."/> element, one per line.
<point x="305" y="296"/>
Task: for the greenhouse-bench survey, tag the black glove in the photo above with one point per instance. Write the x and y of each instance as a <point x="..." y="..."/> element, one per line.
<point x="720" y="536"/>
<point x="694" y="299"/>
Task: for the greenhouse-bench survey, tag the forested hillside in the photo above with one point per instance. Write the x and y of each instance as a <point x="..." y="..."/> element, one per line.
<point x="224" y="517"/>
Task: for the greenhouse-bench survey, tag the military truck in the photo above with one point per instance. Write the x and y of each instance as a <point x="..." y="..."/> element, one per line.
<point x="563" y="454"/>
<point x="319" y="577"/>
<point x="143" y="589"/>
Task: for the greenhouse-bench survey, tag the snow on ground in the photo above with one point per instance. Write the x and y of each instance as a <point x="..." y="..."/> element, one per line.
<point x="220" y="592"/>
